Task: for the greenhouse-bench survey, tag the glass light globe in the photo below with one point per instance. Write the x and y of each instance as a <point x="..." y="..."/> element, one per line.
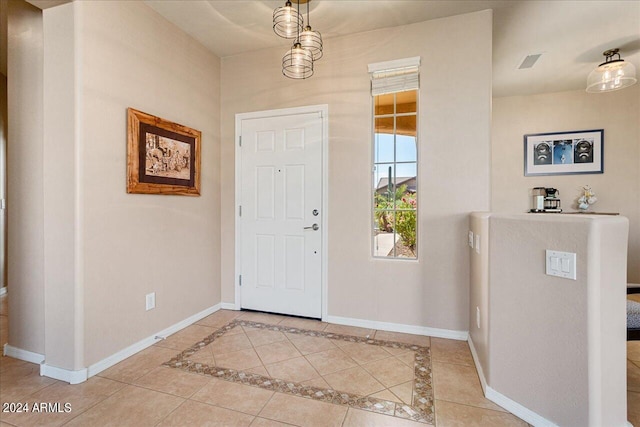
<point x="312" y="40"/>
<point x="287" y="22"/>
<point x="610" y="76"/>
<point x="297" y="63"/>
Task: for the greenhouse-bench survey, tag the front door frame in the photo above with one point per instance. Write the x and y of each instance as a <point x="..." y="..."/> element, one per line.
<point x="323" y="111"/>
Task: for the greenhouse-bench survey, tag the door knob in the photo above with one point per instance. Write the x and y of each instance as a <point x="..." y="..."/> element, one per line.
<point x="314" y="227"/>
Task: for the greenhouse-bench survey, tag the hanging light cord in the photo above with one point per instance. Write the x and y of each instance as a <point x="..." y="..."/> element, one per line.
<point x="298" y="26"/>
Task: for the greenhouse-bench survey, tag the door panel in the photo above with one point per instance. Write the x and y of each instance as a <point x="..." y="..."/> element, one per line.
<point x="265" y="192"/>
<point x="265" y="261"/>
<point x="294" y="191"/>
<point x="281" y="186"/>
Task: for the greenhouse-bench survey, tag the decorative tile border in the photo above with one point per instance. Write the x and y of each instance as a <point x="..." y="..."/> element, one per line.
<point x="422" y="406"/>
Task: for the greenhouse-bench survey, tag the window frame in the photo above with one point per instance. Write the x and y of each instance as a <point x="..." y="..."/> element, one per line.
<point x="394" y="164"/>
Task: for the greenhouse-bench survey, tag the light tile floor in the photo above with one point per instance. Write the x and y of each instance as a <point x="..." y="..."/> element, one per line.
<point x="633" y="382"/>
<point x="141" y="391"/>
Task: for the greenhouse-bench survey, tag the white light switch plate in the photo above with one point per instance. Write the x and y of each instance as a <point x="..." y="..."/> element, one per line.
<point x="471" y="238"/>
<point x="561" y="264"/>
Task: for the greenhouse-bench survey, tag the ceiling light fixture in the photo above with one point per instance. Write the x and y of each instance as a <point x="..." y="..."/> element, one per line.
<point x="311" y="40"/>
<point x="297" y="63"/>
<point x="287" y="22"/>
<point x="612" y="74"/>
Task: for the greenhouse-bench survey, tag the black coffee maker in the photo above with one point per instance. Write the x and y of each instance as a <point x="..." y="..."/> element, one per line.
<point x="551" y="200"/>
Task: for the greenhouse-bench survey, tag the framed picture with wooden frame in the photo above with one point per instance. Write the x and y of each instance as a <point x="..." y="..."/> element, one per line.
<point x="162" y="157"/>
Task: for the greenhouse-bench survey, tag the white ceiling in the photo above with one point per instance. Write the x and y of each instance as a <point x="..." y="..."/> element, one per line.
<point x="571" y="35"/>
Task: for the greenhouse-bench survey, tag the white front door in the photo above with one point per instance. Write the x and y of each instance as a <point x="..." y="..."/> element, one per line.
<point x="281" y="214"/>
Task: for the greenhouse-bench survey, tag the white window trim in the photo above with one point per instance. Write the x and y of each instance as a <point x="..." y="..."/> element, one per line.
<point x="394" y="64"/>
<point x="395" y="76"/>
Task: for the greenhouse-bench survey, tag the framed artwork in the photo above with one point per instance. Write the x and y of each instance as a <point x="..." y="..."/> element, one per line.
<point x="564" y="153"/>
<point x="162" y="157"/>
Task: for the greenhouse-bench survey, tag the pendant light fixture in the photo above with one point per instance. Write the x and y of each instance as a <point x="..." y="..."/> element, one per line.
<point x="297" y="63"/>
<point x="612" y="74"/>
<point x="287" y="22"/>
<point x="311" y="40"/>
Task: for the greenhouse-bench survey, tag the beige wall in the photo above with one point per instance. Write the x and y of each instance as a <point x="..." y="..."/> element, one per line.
<point x="3" y="138"/>
<point x="25" y="177"/>
<point x="4" y="5"/>
<point x="134" y="244"/>
<point x="618" y="189"/>
<point x="454" y="132"/>
<point x="63" y="302"/>
<point x="479" y="291"/>
<point x="114" y="248"/>
<point x="557" y="346"/>
<point x="3" y="178"/>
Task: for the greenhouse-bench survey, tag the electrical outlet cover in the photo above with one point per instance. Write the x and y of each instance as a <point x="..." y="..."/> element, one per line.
<point x="151" y="301"/>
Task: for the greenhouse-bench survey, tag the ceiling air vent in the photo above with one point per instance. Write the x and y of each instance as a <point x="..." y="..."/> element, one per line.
<point x="529" y="61"/>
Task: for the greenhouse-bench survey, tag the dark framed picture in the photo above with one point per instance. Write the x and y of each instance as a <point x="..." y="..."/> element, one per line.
<point x="162" y="157"/>
<point x="564" y="153"/>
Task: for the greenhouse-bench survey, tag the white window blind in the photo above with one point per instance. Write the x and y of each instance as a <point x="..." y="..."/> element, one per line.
<point x="395" y="76"/>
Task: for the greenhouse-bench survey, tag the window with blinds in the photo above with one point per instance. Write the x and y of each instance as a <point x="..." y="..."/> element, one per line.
<point x="394" y="90"/>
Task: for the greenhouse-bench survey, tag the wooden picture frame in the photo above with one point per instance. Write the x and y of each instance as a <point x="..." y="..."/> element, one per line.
<point x="162" y="157"/>
<point x="564" y="153"/>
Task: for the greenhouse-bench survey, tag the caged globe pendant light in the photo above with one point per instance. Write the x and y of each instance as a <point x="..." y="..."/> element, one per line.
<point x="612" y="74"/>
<point x="311" y="40"/>
<point x="297" y="63"/>
<point x="287" y="22"/>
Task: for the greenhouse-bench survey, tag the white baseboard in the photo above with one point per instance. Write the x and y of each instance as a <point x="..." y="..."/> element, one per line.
<point x="514" y="407"/>
<point x="76" y="377"/>
<point x="503" y="401"/>
<point x="147" y="342"/>
<point x="72" y="377"/>
<point x="3" y="291"/>
<point x="18" y="353"/>
<point x="229" y="306"/>
<point x="476" y="361"/>
<point x="517" y="409"/>
<point x="79" y="376"/>
<point x="398" y="327"/>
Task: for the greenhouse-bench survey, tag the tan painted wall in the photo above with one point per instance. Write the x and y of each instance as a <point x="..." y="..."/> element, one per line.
<point x="479" y="290"/>
<point x="116" y="247"/>
<point x="3" y="178"/>
<point x="3" y="138"/>
<point x="618" y="189"/>
<point x="63" y="293"/>
<point x="4" y="6"/>
<point x="134" y="244"/>
<point x="454" y="132"/>
<point x="25" y="178"/>
<point x="557" y="346"/>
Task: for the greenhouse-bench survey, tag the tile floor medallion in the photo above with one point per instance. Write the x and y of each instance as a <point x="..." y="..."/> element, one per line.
<point x="198" y="359"/>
